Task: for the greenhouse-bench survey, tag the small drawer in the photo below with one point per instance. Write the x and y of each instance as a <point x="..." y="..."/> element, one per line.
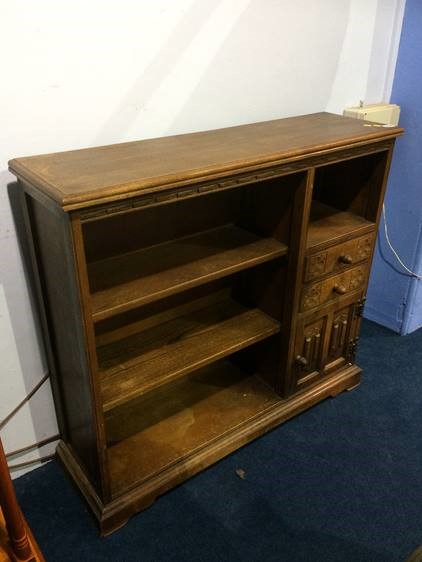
<point x="338" y="258"/>
<point x="316" y="294"/>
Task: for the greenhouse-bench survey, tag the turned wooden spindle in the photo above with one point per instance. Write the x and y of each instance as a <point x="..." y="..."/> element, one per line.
<point x="15" y="524"/>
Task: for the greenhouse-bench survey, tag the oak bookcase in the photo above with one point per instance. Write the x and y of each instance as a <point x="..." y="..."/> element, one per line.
<point x="197" y="290"/>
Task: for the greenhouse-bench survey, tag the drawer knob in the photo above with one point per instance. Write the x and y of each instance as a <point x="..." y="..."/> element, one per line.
<point x="301" y="361"/>
<point x="346" y="259"/>
<point x="339" y="289"/>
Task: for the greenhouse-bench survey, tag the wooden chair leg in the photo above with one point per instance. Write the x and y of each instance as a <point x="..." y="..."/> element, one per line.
<point x="15" y="522"/>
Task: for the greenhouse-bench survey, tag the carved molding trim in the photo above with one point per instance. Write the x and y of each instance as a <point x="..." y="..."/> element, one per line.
<point x="163" y="195"/>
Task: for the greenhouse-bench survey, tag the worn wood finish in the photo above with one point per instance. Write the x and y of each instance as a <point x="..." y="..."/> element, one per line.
<point x="176" y="219"/>
<point x="284" y="382"/>
<point x="322" y="292"/>
<point x="130" y="280"/>
<point x="158" y="355"/>
<point x="199" y="290"/>
<point x="91" y="352"/>
<point x="115" y="513"/>
<point x="338" y="257"/>
<point x="167" y="426"/>
<point x="361" y="185"/>
<point x="328" y="225"/>
<point x="96" y="174"/>
<point x="52" y="237"/>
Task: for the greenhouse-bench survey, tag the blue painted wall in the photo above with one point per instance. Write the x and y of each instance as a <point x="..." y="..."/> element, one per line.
<point x="394" y="298"/>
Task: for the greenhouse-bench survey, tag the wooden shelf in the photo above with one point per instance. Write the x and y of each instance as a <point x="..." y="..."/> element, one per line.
<point x="327" y="224"/>
<point x="130" y="280"/>
<point x="168" y="425"/>
<point x="156" y="355"/>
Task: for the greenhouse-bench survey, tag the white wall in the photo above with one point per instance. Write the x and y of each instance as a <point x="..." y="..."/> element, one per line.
<point x="81" y="73"/>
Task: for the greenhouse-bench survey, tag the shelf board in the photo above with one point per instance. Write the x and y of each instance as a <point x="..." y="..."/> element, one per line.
<point x="327" y="224"/>
<point x="126" y="281"/>
<point x="172" y="423"/>
<point x="134" y="365"/>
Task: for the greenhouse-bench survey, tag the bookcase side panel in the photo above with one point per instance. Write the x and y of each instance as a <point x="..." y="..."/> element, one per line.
<point x="52" y="242"/>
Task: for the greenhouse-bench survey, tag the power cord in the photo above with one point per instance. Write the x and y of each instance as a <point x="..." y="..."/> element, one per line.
<point x="33" y="445"/>
<point x="387" y="237"/>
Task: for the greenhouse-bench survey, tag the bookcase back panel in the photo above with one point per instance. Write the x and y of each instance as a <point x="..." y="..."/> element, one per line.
<point x="352" y="185"/>
<point x="262" y="208"/>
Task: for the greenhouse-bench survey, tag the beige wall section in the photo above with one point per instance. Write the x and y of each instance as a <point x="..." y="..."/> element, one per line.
<point x="83" y="73"/>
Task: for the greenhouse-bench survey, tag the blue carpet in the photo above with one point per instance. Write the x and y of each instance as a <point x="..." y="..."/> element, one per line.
<point x="341" y="482"/>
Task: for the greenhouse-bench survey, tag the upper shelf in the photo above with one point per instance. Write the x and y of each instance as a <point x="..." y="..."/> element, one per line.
<point x="327" y="224"/>
<point x="81" y="178"/>
<point x="126" y="281"/>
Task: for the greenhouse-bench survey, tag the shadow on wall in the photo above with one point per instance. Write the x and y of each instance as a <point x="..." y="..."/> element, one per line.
<point x="24" y="323"/>
<point x="162" y="64"/>
<point x="316" y="61"/>
<point x="214" y="85"/>
<point x="19" y="223"/>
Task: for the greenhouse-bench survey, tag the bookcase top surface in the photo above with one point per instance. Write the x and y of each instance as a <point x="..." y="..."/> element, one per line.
<point x="85" y="177"/>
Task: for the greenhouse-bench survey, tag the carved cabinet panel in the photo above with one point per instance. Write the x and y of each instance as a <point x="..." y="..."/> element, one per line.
<point x="326" y="340"/>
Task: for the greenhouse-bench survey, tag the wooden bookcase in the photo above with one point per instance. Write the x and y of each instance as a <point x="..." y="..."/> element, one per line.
<point x="195" y="291"/>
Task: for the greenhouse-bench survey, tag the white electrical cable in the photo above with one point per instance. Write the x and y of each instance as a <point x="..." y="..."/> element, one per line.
<point x="409" y="271"/>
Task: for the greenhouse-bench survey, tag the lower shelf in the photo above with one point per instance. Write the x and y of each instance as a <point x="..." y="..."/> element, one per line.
<point x="172" y="423"/>
<point x="262" y="410"/>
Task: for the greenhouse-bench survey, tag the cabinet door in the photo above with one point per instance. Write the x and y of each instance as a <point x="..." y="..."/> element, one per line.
<point x="326" y="340"/>
<point x="309" y="354"/>
<point x="343" y="334"/>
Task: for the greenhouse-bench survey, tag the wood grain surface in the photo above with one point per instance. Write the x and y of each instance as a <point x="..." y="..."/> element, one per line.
<point x="96" y="174"/>
<point x="328" y="225"/>
<point x="156" y="356"/>
<point x="129" y="280"/>
<point x="178" y="419"/>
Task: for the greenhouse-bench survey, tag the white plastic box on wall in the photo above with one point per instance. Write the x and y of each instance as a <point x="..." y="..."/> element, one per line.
<point x="385" y="113"/>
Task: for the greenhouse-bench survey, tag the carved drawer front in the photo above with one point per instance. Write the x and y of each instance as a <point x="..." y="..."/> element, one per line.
<point x="339" y="257"/>
<point x="330" y="289"/>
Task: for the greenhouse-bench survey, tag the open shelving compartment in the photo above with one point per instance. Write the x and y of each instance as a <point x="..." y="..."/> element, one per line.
<point x="187" y="305"/>
<point x="345" y="199"/>
<point x="176" y="385"/>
